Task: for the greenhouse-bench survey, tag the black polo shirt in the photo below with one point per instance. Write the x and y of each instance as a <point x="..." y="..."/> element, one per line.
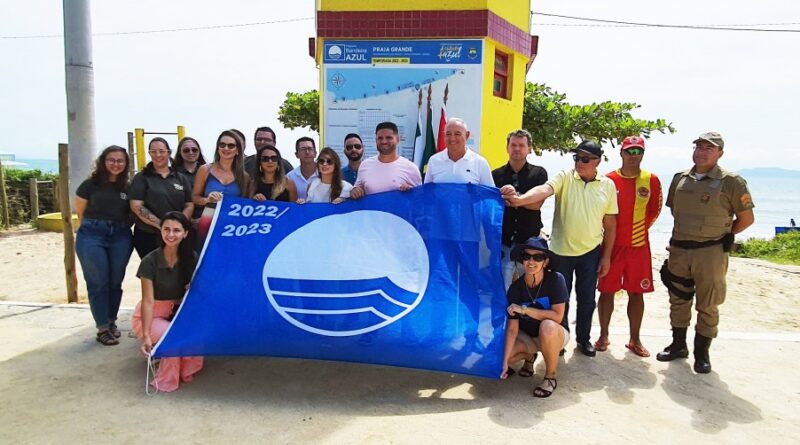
<point x="166" y="280"/>
<point x="520" y="223"/>
<point x="105" y="202"/>
<point x="160" y="194"/>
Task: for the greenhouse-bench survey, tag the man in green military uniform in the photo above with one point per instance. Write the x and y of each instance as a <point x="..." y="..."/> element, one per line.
<point x="709" y="205"/>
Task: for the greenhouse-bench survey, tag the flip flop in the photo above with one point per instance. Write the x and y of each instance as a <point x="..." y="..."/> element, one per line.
<point x="638" y="350"/>
<point x="602" y="345"/>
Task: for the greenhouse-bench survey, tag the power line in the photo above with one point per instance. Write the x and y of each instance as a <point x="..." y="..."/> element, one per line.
<point x="661" y="25"/>
<point x="160" y="31"/>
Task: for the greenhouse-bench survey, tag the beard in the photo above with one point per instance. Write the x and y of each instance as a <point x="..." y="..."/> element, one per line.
<point x="354" y="156"/>
<point x="387" y="150"/>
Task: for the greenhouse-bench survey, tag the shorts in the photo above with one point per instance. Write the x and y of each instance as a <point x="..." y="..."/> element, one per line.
<point x="524" y="337"/>
<point x="631" y="270"/>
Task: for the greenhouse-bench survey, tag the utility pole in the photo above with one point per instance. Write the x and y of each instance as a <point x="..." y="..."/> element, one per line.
<point x="80" y="90"/>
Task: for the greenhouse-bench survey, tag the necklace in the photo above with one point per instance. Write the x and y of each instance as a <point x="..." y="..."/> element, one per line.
<point x="538" y="289"/>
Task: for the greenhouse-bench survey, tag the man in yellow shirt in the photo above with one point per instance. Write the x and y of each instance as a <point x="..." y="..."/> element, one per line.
<point x="584" y="227"/>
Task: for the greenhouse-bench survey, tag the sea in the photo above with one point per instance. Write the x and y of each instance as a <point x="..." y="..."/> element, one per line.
<point x="776" y="199"/>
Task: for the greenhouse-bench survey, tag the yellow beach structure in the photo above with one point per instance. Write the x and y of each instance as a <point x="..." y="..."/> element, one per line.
<point x="378" y="61"/>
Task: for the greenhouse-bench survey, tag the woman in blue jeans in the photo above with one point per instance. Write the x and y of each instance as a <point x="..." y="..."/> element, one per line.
<point x="104" y="242"/>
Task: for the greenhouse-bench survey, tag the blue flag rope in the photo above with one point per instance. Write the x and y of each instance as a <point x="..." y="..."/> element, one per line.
<point x="408" y="279"/>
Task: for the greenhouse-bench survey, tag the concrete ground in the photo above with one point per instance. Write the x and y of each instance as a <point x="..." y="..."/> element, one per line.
<point x="60" y="386"/>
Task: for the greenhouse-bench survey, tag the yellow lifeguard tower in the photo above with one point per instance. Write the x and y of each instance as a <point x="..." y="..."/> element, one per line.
<point x="401" y="61"/>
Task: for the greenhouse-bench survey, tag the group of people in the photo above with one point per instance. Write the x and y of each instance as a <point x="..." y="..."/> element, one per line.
<point x="599" y="231"/>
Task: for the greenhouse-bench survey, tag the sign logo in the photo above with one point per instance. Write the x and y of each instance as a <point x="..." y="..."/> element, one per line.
<point x="348" y="274"/>
<point x="449" y="52"/>
<point x="472" y="52"/>
<point x="335" y="52"/>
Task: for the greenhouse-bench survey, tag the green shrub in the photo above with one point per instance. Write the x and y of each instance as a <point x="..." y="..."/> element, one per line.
<point x="783" y="249"/>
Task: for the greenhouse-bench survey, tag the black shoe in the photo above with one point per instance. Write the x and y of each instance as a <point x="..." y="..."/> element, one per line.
<point x="587" y="348"/>
<point x="677" y="349"/>
<point x="702" y="362"/>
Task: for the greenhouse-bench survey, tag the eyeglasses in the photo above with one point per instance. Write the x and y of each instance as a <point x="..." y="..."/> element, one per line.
<point x="269" y="158"/>
<point x="584" y="159"/>
<point x="228" y="146"/>
<point x="190" y="150"/>
<point x="306" y="149"/>
<point x="115" y="161"/>
<point x="353" y="147"/>
<point x="325" y="161"/>
<point x="538" y="257"/>
<point x="265" y="140"/>
<point x="634" y="151"/>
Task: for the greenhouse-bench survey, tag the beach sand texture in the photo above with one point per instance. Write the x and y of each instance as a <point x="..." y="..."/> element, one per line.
<point x="59" y="385"/>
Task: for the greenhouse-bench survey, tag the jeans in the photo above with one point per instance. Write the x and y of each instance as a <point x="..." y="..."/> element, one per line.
<point x="509" y="267"/>
<point x="585" y="269"/>
<point x="104" y="248"/>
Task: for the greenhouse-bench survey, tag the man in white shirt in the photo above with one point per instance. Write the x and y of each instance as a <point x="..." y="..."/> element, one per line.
<point x="457" y="164"/>
<point x="306" y="151"/>
<point x="388" y="170"/>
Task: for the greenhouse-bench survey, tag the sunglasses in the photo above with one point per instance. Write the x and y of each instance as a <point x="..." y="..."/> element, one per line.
<point x="634" y="151"/>
<point x="269" y="158"/>
<point x="228" y="146"/>
<point x="538" y="257"/>
<point x="190" y="150"/>
<point x="584" y="159"/>
<point x="353" y="147"/>
<point x="325" y="161"/>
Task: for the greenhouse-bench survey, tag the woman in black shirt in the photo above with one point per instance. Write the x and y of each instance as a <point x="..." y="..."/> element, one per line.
<point x="536" y="315"/>
<point x="104" y="243"/>
<point x="271" y="183"/>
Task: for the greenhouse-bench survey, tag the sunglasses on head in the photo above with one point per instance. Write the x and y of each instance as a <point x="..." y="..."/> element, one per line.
<point x="353" y="147"/>
<point x="190" y="150"/>
<point x="584" y="159"/>
<point x="634" y="151"/>
<point x="273" y="158"/>
<point x="538" y="257"/>
<point x="325" y="161"/>
<point x="228" y="146"/>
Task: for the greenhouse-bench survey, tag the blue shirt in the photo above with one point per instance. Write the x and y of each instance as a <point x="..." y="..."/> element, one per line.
<point x="349" y="174"/>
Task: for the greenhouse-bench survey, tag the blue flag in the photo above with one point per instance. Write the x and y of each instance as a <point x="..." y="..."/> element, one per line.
<point x="407" y="279"/>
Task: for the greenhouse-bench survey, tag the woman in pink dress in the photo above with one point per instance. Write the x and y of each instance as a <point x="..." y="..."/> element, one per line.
<point x="165" y="274"/>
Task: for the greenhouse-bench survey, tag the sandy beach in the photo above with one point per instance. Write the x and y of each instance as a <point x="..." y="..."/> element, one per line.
<point x="59" y="385"/>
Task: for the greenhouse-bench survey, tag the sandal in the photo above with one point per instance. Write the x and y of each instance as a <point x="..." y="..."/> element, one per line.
<point x="107" y="338"/>
<point x="112" y="327"/>
<point x="528" y="371"/>
<point x="638" y="350"/>
<point x="602" y="345"/>
<point x="510" y="371"/>
<point x="542" y="390"/>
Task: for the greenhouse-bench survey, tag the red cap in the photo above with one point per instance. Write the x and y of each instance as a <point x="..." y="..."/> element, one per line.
<point x="633" y="141"/>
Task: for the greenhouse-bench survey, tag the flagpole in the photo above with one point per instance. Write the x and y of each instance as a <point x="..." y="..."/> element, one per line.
<point x="419" y="110"/>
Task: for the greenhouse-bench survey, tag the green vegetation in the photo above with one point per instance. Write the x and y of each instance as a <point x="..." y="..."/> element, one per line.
<point x="17" y="175"/>
<point x="554" y="123"/>
<point x="783" y="249"/>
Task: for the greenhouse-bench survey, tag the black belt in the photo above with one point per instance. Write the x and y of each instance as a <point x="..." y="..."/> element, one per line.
<point x="726" y="241"/>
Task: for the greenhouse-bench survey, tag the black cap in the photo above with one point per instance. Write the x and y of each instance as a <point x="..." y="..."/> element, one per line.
<point x="590" y="146"/>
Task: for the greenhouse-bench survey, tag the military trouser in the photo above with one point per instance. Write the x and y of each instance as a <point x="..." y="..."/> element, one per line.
<point x="707" y="266"/>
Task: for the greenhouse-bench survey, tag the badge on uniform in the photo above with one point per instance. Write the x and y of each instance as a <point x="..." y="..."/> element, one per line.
<point x="644" y="192"/>
<point x="705" y="198"/>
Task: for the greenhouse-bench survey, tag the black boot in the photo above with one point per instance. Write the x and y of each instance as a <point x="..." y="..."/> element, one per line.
<point x="677" y="349"/>
<point x="702" y="363"/>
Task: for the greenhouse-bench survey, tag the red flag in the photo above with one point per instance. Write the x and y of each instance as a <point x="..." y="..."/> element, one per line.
<point x="440" y="142"/>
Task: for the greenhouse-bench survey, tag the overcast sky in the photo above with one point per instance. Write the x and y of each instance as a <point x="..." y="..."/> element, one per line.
<point x="743" y="84"/>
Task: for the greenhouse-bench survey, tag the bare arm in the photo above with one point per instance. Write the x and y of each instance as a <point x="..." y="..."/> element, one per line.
<point x="144" y="214"/>
<point x="742" y="221"/>
<point x="290" y="185"/>
<point x="556" y="313"/>
<point x="80" y="207"/>
<point x="536" y="195"/>
<point x="148" y="301"/>
<point x="609" y="235"/>
<point x="512" y="328"/>
<point x="199" y="188"/>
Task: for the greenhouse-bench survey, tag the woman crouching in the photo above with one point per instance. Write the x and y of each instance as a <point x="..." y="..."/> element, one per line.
<point x="536" y="315"/>
<point x="165" y="274"/>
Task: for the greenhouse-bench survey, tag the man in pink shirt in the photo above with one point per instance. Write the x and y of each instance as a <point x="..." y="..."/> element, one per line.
<point x="387" y="171"/>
